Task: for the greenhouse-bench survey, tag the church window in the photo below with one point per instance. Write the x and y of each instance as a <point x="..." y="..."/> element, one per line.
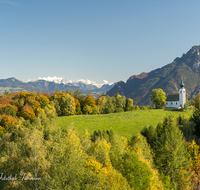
<point x="171" y="103"/>
<point x="176" y="103"/>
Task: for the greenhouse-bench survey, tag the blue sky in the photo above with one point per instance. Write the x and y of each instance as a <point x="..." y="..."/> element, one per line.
<point x="94" y="39"/>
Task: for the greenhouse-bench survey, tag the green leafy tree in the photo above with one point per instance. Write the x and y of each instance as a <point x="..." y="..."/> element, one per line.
<point x="26" y="159"/>
<point x="158" y="97"/>
<point x="67" y="168"/>
<point x="77" y="94"/>
<point x="10" y="110"/>
<point x="95" y="110"/>
<point x="129" y="104"/>
<point x="78" y="106"/>
<point x="135" y="171"/>
<point x="110" y="105"/>
<point x="64" y="103"/>
<point x="186" y="106"/>
<point x="101" y="103"/>
<point x="100" y="151"/>
<point x="116" y="152"/>
<point x="87" y="109"/>
<point x="120" y="103"/>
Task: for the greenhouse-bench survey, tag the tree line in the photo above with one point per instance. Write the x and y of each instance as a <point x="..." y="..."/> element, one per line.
<point x="70" y="103"/>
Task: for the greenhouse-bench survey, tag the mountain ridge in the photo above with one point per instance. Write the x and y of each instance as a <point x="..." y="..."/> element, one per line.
<point x="12" y="84"/>
<point x="168" y="78"/>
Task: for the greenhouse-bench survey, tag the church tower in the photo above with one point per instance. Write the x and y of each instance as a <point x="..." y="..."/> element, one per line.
<point x="182" y="94"/>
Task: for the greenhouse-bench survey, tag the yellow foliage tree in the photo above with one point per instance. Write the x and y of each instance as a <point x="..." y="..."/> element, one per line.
<point x="108" y="177"/>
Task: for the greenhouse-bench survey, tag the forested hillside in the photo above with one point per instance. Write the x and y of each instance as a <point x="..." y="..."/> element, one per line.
<point x="33" y="157"/>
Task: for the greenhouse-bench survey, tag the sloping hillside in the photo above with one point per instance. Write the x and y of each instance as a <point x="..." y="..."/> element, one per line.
<point x="138" y="87"/>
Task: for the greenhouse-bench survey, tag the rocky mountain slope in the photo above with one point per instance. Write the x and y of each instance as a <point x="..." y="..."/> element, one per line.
<point x="168" y="78"/>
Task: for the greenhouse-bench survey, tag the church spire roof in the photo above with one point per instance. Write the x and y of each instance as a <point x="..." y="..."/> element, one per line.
<point x="182" y="85"/>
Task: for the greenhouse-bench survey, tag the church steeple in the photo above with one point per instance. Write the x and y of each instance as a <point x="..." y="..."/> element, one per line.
<point x="182" y="85"/>
<point x="182" y="94"/>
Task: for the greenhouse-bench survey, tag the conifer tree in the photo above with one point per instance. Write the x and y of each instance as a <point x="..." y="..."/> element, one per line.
<point x="172" y="158"/>
<point x="196" y="115"/>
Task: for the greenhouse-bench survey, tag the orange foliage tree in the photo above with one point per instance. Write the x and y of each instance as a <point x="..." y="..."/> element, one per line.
<point x="7" y="121"/>
<point x="27" y="112"/>
<point x="90" y="101"/>
<point x="36" y="106"/>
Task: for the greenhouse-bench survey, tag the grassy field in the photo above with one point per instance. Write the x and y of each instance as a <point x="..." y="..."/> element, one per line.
<point x="124" y="123"/>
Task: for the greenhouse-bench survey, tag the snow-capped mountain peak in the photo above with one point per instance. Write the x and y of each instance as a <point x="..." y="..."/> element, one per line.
<point x="85" y="84"/>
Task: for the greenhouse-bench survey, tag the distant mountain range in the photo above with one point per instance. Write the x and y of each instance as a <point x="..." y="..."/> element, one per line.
<point x="168" y="78"/>
<point x="85" y="84"/>
<point x="137" y="87"/>
<point x="13" y="84"/>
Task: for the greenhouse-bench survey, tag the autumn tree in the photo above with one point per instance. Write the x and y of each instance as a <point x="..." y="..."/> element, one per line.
<point x="64" y="103"/>
<point x="8" y="109"/>
<point x="43" y="100"/>
<point x="27" y="112"/>
<point x="120" y="102"/>
<point x="129" y="104"/>
<point x="158" y="97"/>
<point x="89" y="105"/>
<point x="6" y="121"/>
<point x="36" y="106"/>
<point x="100" y="151"/>
<point x="90" y="101"/>
<point x="101" y="102"/>
<point x="68" y="161"/>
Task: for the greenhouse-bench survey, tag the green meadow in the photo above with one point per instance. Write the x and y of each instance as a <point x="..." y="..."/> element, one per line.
<point x="124" y="123"/>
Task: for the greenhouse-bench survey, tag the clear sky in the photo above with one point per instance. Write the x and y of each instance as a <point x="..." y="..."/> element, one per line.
<point x="94" y="39"/>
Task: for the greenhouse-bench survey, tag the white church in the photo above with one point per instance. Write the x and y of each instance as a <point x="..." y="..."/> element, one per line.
<point x="177" y="100"/>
